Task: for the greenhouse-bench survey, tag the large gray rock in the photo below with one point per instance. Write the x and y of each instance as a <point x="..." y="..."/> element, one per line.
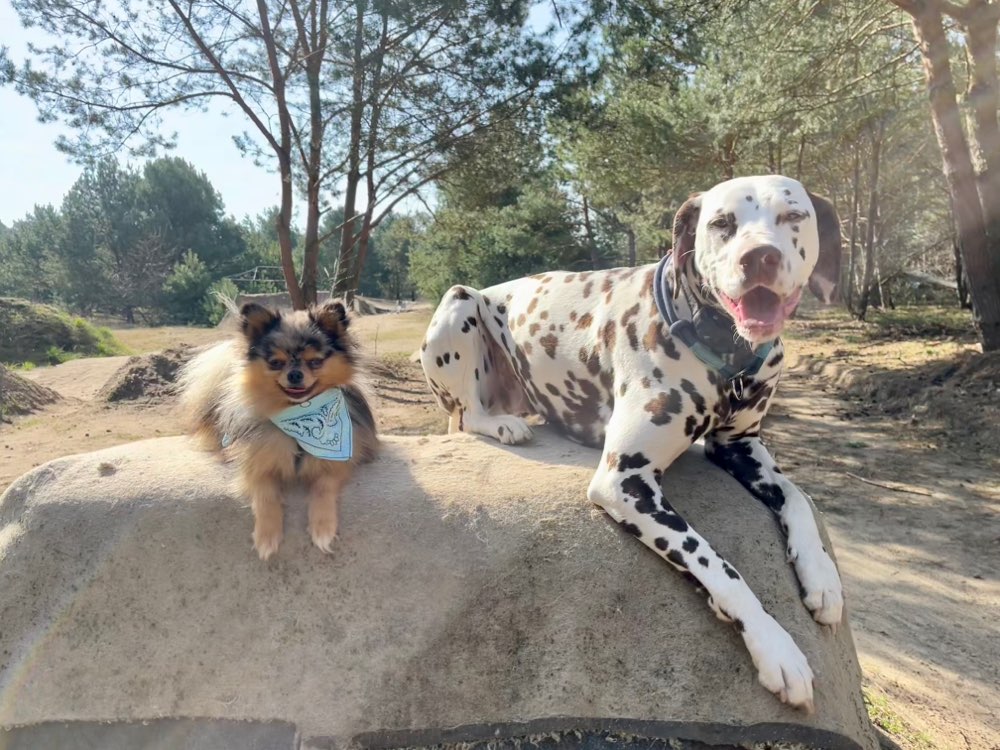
<point x="474" y="594"/>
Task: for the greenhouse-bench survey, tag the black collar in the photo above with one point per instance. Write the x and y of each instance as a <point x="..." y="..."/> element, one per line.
<point x="710" y="334"/>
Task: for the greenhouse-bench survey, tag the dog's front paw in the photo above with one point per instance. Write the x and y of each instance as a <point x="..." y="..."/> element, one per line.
<point x="512" y="430"/>
<point x="266" y="540"/>
<point x="323" y="532"/>
<point x="781" y="667"/>
<point x="824" y="593"/>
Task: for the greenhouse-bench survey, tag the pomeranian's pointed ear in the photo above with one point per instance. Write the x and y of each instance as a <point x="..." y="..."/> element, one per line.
<point x="256" y="320"/>
<point x="330" y="316"/>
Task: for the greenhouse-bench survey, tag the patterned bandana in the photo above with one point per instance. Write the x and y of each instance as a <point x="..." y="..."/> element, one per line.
<point x="321" y="426"/>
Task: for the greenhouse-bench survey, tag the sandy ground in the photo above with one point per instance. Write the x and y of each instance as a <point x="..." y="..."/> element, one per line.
<point x="915" y="518"/>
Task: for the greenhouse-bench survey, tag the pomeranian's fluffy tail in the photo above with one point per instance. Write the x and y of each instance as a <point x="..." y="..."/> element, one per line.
<point x="204" y="383"/>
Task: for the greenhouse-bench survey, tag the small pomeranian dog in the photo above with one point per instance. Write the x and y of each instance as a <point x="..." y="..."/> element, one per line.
<point x="285" y="401"/>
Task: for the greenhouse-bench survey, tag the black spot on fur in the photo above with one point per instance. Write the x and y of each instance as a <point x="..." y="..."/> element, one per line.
<point x="671" y="520"/>
<point x="632" y="529"/>
<point x="736" y="458"/>
<point x="635" y="486"/>
<point x="439" y="362"/>
<point x="696" y="398"/>
<point x="447" y="358"/>
<point x="730" y="571"/>
<point x="661" y="544"/>
<point x="632" y="461"/>
<point x="677" y="559"/>
<point x="703" y="561"/>
<point x="460" y="293"/>
<point x="690" y="544"/>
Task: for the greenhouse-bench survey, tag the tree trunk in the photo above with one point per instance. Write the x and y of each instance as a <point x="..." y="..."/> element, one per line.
<point x="595" y="259"/>
<point x="310" y="259"/>
<point x="866" y="285"/>
<point x="283" y="152"/>
<point x="631" y="246"/>
<point x="855" y="207"/>
<point x="979" y="253"/>
<point x="962" y="283"/>
<point x="802" y="154"/>
<point x="372" y="146"/>
<point x="984" y="100"/>
<point x="343" y="284"/>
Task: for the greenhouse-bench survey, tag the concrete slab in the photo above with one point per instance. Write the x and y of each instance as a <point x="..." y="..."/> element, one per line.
<point x="473" y="595"/>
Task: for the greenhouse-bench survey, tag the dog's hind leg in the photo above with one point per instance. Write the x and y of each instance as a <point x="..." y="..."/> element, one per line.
<point x="468" y="374"/>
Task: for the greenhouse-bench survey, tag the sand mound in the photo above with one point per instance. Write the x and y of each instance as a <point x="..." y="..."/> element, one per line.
<point x="150" y="376"/>
<point x="20" y="396"/>
<point x="958" y="397"/>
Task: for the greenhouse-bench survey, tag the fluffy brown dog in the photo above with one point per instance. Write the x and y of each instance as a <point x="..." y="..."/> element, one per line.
<point x="280" y="360"/>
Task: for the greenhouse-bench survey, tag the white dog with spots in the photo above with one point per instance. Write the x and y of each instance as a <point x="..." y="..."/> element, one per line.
<point x="645" y="361"/>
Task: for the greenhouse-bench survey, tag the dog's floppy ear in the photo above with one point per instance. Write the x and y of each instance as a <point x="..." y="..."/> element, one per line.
<point x="256" y="320"/>
<point x="825" y="277"/>
<point x="330" y="316"/>
<point x="685" y="225"/>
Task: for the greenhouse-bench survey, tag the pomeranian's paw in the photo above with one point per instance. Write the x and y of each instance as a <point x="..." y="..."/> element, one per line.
<point x="266" y="539"/>
<point x="324" y="532"/>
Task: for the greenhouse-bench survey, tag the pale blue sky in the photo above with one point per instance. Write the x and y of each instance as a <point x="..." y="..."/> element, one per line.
<point x="33" y="172"/>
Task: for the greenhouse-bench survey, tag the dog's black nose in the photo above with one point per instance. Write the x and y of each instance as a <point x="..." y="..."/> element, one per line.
<point x="760" y="264"/>
<point x="295" y="377"/>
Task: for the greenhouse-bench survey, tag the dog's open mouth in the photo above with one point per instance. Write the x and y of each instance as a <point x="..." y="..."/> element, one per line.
<point x="297" y="394"/>
<point x="760" y="311"/>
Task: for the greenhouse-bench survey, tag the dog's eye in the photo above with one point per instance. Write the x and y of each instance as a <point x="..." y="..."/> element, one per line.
<point x="794" y="216"/>
<point x="275" y="364"/>
<point x="314" y="364"/>
<point x="719" y="222"/>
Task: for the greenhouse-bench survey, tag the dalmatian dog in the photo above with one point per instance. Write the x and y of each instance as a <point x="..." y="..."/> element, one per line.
<point x="597" y="355"/>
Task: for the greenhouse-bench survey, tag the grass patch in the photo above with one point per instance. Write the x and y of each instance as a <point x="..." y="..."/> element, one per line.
<point x="885" y="717"/>
<point x="925" y="321"/>
<point x="32" y="334"/>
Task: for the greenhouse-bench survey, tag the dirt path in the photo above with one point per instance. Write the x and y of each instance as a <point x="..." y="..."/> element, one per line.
<point x="78" y="378"/>
<point x="920" y="562"/>
<point x="920" y="555"/>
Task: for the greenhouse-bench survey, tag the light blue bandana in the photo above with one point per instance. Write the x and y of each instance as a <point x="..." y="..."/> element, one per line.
<point x="321" y="426"/>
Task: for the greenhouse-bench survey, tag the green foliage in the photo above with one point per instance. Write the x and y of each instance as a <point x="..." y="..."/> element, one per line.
<point x="387" y="271"/>
<point x="185" y="288"/>
<point x="41" y="334"/>
<point x="485" y="246"/>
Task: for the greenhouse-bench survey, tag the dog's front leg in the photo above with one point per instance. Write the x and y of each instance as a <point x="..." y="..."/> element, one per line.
<point x="326" y="480"/>
<point x="268" y="515"/>
<point x="627" y="486"/>
<point x="749" y="462"/>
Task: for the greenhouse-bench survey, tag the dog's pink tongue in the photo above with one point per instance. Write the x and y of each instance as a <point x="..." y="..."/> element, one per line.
<point x="761" y="306"/>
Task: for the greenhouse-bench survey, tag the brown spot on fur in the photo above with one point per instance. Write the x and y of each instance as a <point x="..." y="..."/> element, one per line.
<point x="608" y="334"/>
<point x="664" y="406"/>
<point x="585" y="320"/>
<point x="549" y="343"/>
